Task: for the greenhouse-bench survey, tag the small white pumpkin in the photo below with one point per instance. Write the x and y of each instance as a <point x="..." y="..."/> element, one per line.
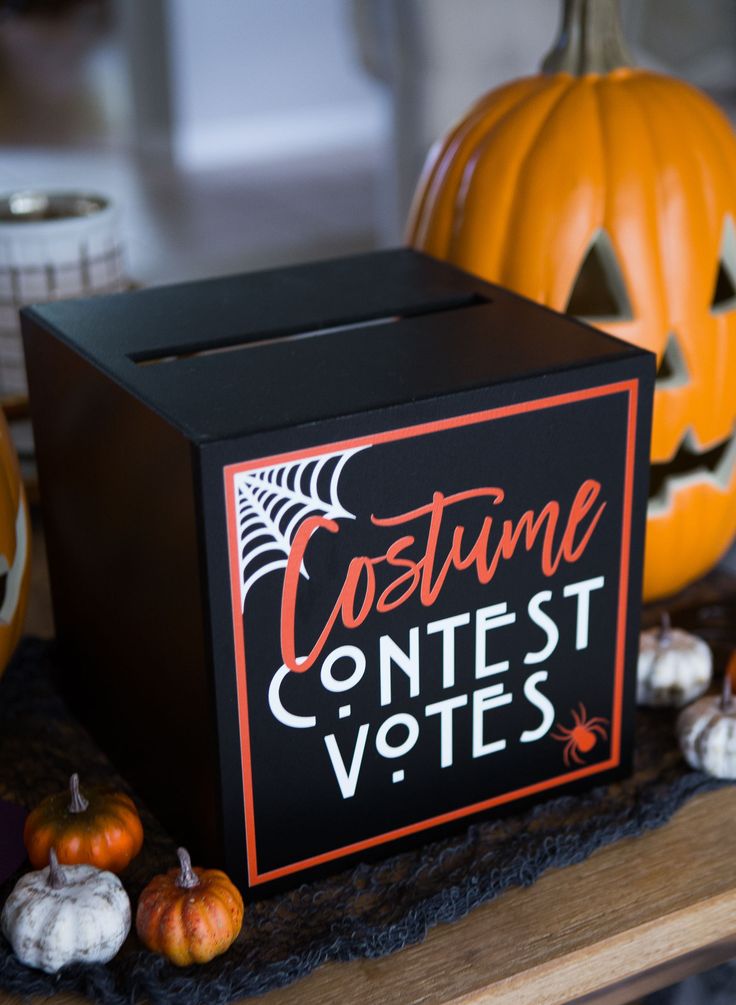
<point x="674" y="667"/>
<point x="66" y="914"/>
<point x="707" y="733"/>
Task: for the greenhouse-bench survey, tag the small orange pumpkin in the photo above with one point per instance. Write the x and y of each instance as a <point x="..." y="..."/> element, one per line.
<point x="189" y="915"/>
<point x="609" y="192"/>
<point x="102" y="829"/>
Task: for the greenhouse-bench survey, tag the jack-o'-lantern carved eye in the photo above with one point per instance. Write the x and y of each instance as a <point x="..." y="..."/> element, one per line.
<point x="672" y="371"/>
<point x="724" y="294"/>
<point x="599" y="292"/>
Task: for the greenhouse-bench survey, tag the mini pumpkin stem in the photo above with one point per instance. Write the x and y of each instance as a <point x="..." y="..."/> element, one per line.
<point x="78" y="803"/>
<point x="56" y="873"/>
<point x="187" y="878"/>
<point x="727" y="693"/>
<point x="590" y="39"/>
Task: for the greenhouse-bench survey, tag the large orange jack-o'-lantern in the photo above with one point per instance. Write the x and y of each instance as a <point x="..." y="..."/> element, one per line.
<point x="14" y="548"/>
<point x="610" y="192"/>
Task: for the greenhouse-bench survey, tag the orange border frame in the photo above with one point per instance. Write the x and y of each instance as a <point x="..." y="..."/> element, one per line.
<point x="629" y="387"/>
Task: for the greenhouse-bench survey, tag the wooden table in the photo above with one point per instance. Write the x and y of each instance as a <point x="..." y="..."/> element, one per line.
<point x="632" y="918"/>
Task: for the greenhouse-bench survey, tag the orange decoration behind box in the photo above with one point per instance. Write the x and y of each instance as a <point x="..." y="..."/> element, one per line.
<point x="609" y="192"/>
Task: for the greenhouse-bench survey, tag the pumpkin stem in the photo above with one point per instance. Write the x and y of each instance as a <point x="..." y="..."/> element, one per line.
<point x="727" y="694"/>
<point x="56" y="874"/>
<point x="665" y="629"/>
<point x="187" y="878"/>
<point x="590" y="39"/>
<point x="78" y="803"/>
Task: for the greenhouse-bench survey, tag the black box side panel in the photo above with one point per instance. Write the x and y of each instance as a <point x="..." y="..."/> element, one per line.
<point x="120" y="519"/>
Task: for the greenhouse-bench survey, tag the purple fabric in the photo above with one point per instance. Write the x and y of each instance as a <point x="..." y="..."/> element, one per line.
<point x="12" y="850"/>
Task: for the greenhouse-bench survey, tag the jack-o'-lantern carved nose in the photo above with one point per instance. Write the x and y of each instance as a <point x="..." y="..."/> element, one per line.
<point x="672" y="371"/>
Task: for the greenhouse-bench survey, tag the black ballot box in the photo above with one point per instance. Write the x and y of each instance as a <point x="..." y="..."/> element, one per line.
<point x="341" y="554"/>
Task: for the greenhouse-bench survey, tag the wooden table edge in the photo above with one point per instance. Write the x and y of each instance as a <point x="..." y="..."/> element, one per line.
<point x="575" y="977"/>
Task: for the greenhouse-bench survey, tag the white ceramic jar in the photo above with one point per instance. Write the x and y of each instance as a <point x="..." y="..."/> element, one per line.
<point x="53" y="245"/>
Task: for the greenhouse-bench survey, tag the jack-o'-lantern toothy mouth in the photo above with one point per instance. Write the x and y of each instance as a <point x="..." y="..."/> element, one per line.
<point x="689" y="466"/>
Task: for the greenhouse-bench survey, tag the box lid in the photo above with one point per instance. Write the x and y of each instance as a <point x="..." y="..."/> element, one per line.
<point x="249" y="353"/>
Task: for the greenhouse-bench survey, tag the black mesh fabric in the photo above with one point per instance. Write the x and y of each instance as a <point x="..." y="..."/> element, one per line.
<point x="368" y="911"/>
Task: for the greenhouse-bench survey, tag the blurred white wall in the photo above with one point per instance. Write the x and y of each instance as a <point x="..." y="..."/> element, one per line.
<point x="434" y="58"/>
<point x="280" y="82"/>
<point x="266" y="80"/>
<point x="248" y="132"/>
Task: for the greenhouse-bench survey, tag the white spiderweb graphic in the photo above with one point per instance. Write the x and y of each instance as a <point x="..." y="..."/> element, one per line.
<point x="272" y="502"/>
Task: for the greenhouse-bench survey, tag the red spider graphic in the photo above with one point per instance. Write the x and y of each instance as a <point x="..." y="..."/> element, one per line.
<point x="582" y="737"/>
